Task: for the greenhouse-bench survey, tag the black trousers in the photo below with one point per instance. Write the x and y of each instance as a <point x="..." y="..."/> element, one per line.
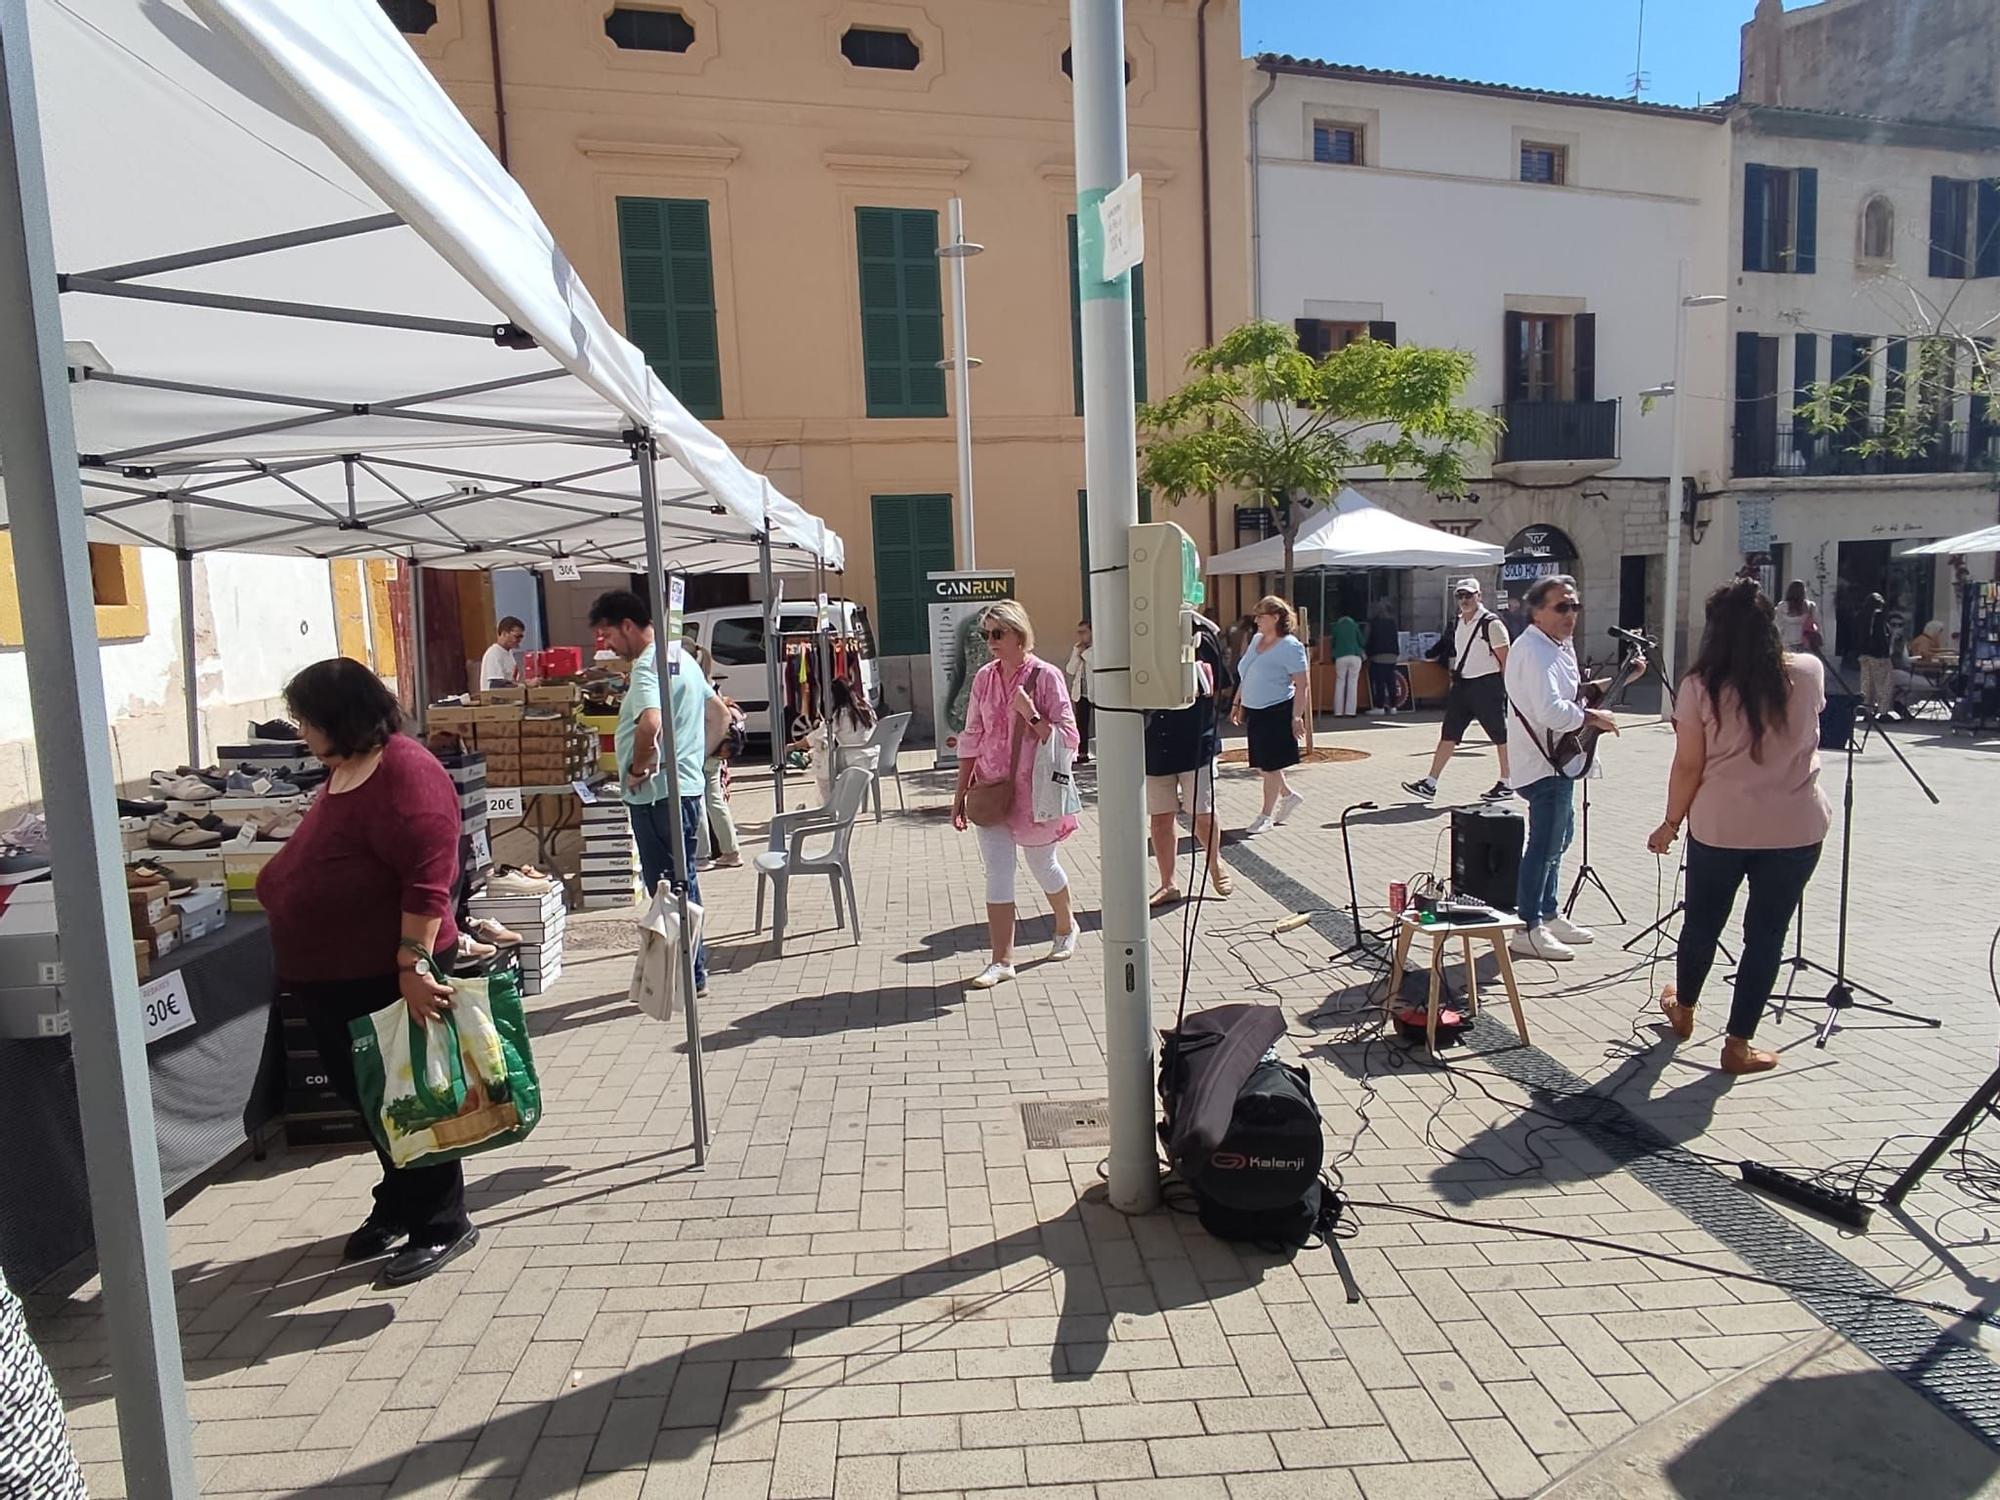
<point x="1086" y="720"/>
<point x="426" y="1203"/>
<point x="1777" y="880"/>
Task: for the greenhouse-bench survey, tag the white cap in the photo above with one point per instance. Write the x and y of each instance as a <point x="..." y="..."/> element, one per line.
<point x="1466" y="586"/>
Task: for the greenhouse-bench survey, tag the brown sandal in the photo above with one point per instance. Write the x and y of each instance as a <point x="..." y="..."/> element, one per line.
<point x="1221" y="883"/>
<point x="1679" y="1017"/>
<point x="1738" y="1056"/>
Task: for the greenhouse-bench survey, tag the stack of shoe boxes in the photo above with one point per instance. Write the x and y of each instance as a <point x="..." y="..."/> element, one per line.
<point x="156" y="925"/>
<point x="529" y="736"/>
<point x="610" y="858"/>
<point x="539" y="920"/>
<point x="475" y="846"/>
<point x="31" y="972"/>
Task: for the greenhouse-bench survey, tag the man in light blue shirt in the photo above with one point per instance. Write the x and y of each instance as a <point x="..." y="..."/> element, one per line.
<point x="625" y="622"/>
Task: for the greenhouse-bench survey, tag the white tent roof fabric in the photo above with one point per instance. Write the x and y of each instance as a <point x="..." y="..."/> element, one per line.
<point x="1986" y="539"/>
<point x="1355" y="532"/>
<point x="178" y="126"/>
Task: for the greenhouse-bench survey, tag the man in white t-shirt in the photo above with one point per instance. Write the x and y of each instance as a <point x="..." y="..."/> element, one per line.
<point x="500" y="667"/>
<point x="1474" y="651"/>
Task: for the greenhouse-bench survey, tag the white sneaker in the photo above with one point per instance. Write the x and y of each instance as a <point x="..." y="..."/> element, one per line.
<point x="1566" y="931"/>
<point x="1257" y="825"/>
<point x="1539" y="942"/>
<point x="1065" y="948"/>
<point x="514" y="883"/>
<point x="989" y="976"/>
<point x="1288" y="804"/>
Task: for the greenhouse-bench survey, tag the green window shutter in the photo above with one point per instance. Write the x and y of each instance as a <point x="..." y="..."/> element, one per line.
<point x="669" y="277"/>
<point x="912" y="540"/>
<point x="1076" y="326"/>
<point x="902" y="311"/>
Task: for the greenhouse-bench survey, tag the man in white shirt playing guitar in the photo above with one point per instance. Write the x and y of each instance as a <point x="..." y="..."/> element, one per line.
<point x="1544" y="692"/>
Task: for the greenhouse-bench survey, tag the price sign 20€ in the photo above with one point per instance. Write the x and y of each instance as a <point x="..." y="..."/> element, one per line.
<point x="167" y="1007"/>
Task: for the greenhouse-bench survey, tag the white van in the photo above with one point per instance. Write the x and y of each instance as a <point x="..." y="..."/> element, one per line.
<point x="734" y="639"/>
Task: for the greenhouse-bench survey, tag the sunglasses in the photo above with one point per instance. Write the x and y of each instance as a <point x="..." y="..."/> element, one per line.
<point x="999" y="634"/>
<point x="1566" y="607"/>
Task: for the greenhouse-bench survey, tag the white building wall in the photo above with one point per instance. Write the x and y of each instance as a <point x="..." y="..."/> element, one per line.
<point x="258" y="620"/>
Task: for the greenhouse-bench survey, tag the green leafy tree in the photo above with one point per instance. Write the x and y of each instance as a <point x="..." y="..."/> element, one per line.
<point x="1260" y="416"/>
<point x="1917" y="418"/>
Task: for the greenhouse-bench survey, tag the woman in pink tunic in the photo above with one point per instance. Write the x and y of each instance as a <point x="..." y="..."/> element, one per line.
<point x="1015" y="689"/>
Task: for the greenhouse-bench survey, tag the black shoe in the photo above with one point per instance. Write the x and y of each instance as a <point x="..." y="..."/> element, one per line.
<point x="369" y="1241"/>
<point x="274" y="729"/>
<point x="1498" y="792"/>
<point x="1422" y="787"/>
<point x="414" y="1262"/>
<point x="132" y="808"/>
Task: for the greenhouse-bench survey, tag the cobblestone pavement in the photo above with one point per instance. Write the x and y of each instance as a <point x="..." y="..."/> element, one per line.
<point x="875" y="1288"/>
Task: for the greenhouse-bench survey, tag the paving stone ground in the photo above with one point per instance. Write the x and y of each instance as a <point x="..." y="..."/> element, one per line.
<point x="874" y="1288"/>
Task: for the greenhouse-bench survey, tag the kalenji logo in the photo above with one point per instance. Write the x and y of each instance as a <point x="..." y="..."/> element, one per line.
<point x="1236" y="1161"/>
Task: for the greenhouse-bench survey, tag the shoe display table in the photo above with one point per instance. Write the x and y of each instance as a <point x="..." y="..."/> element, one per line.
<point x="1409" y="931"/>
<point x="216" y="1083"/>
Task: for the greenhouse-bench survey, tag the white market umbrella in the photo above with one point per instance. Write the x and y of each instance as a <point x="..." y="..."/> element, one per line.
<point x="1986" y="539"/>
<point x="1355" y="532"/>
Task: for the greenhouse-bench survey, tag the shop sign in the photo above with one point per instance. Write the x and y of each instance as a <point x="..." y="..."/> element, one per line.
<point x="1528" y="569"/>
<point x="957" y="600"/>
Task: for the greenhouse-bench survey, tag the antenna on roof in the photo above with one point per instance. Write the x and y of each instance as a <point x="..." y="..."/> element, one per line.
<point x="1641" y="80"/>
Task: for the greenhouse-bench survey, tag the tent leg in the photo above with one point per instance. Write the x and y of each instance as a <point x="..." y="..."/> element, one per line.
<point x="190" y="660"/>
<point x="774" y="669"/>
<point x="656" y="597"/>
<point x="72" y="747"/>
<point x="420" y="696"/>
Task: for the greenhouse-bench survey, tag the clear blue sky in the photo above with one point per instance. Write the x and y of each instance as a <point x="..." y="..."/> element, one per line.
<point x="1580" y="46"/>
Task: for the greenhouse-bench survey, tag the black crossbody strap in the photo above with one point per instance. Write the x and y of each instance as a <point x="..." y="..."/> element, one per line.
<point x="1482" y="630"/>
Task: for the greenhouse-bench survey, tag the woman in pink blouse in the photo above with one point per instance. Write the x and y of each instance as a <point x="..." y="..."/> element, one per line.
<point x="1016" y="697"/>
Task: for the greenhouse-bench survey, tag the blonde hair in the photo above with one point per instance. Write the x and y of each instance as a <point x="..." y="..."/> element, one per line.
<point x="1271" y="604"/>
<point x="1009" y="614"/>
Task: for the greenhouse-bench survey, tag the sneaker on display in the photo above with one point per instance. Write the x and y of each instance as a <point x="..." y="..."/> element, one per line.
<point x="24" y="852"/>
<point x="1539" y="942"/>
<point x="517" y="883"/>
<point x="273" y="729"/>
<point x="1422" y="787"/>
<point x="172" y="831"/>
<point x="185" y="788"/>
<point x="1568" y="932"/>
<point x="489" y="931"/>
<point x="1498" y="792"/>
<point x="149" y="872"/>
<point x="1288" y="804"/>
<point x="129" y="807"/>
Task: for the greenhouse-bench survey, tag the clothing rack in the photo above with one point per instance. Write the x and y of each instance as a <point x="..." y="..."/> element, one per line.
<point x="811" y="660"/>
<point x="1978" y="705"/>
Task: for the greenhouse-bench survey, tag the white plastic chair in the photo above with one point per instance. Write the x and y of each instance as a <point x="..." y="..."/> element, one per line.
<point x="886" y="743"/>
<point x="787" y="857"/>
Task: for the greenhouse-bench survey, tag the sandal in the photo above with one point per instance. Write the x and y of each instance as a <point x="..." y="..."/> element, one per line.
<point x="1679" y="1017"/>
<point x="1166" y="895"/>
<point x="1221" y="883"/>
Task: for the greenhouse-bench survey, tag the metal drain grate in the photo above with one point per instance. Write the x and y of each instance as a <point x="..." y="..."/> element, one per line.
<point x="1058" y="1124"/>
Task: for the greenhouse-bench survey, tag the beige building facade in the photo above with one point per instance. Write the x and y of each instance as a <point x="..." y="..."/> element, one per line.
<point x="756" y="189"/>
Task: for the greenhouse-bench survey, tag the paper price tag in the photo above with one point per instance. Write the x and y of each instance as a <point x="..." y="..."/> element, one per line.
<point x="53" y="1025"/>
<point x="567" y="570"/>
<point x="504" y="804"/>
<point x="583" y="792"/>
<point x="168" y="1008"/>
<point x="482" y="848"/>
<point x="49" y="973"/>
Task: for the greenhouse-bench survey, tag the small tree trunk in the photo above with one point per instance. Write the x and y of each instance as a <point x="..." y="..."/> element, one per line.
<point x="1290" y="529"/>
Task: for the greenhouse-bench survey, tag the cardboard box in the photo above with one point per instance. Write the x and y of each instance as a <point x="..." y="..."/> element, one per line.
<point x="557" y="693"/>
<point x="510" y="696"/>
<point x="33" y="1013"/>
<point x="31" y="960"/>
<point x="165" y="937"/>
<point x="552" y="728"/>
<point x="149" y="905"/>
<point x="142" y="959"/>
<point x="202" y="911"/>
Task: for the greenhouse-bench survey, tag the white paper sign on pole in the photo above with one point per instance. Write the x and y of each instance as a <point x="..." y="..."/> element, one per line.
<point x="168" y="1008"/>
<point x="677" y="588"/>
<point x="567" y="570"/>
<point x="1124" y="219"/>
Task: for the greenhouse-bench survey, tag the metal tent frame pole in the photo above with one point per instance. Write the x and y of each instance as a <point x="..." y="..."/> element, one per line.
<point x="190" y="658"/>
<point x="72" y="747"/>
<point x="420" y="694"/>
<point x="656" y="597"/>
<point x="774" y="668"/>
<point x="1110" y="446"/>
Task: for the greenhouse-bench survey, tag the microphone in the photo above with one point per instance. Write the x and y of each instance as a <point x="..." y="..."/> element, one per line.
<point x="1633" y="636"/>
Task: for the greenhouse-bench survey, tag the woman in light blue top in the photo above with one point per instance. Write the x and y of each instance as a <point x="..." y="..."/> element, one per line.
<point x="1271" y="705"/>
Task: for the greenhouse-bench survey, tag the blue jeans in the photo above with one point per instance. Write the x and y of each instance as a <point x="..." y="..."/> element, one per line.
<point x="653" y="831"/>
<point x="1777" y="880"/>
<point x="1551" y="821"/>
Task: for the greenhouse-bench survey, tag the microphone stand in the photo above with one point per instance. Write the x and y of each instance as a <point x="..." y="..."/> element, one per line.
<point x="1586" y="871"/>
<point x="1362" y="937"/>
<point x="1840" y="995"/>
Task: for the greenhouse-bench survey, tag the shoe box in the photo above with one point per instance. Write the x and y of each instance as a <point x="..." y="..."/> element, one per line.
<point x="522" y="744"/>
<point x="203" y="911"/>
<point x="610" y="857"/>
<point x="540" y="921"/>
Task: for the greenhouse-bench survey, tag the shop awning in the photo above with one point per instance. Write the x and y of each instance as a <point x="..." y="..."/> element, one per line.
<point x="1986" y="539"/>
<point x="285" y="252"/>
<point x="1355" y="532"/>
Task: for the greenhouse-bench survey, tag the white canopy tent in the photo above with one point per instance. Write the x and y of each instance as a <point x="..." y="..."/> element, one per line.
<point x="1986" y="539"/>
<point x="302" y="311"/>
<point x="1355" y="532"/>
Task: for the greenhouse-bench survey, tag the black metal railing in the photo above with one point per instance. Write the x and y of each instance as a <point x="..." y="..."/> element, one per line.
<point x="1558" y="431"/>
<point x="1797" y="451"/>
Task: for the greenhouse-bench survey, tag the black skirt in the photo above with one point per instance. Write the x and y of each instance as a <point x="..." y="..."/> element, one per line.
<point x="1273" y="746"/>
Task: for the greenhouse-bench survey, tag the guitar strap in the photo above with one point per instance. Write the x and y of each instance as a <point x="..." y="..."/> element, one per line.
<point x="1544" y="743"/>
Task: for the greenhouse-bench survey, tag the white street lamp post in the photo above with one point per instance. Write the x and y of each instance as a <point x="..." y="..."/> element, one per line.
<point x="957" y="251"/>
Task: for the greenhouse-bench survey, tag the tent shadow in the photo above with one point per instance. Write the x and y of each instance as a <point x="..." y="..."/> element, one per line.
<point x="1111" y="1278"/>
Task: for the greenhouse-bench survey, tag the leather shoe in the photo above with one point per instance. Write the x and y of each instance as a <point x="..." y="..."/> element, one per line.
<point x="414" y="1262"/>
<point x="370" y="1240"/>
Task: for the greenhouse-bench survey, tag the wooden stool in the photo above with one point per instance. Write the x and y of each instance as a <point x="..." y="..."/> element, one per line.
<point x="1441" y="934"/>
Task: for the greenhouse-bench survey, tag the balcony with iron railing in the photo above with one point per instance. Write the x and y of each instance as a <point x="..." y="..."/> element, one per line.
<point x="1567" y="434"/>
<point x="1799" y="452"/>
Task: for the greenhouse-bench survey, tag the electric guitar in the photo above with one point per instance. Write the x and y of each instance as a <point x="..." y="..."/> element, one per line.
<point x="1573" y="754"/>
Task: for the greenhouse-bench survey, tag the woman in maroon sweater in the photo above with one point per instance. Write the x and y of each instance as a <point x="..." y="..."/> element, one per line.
<point x="359" y="903"/>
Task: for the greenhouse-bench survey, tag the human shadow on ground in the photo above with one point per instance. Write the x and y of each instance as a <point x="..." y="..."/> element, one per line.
<point x="835" y="1012"/>
<point x="968" y="940"/>
<point x="1851" y="1433"/>
<point x="1105" y="1278"/>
